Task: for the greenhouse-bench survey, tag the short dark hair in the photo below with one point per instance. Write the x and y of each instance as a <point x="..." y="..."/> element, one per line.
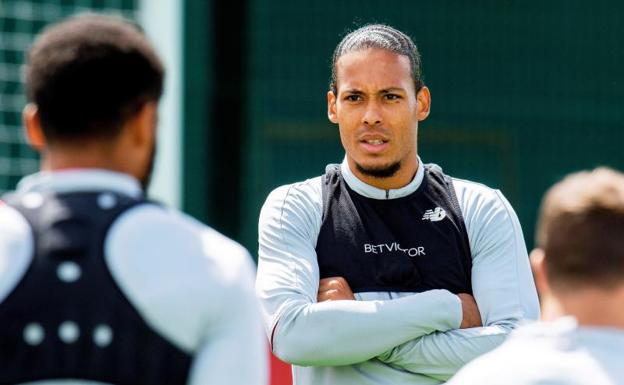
<point x="581" y="230"/>
<point x="379" y="36"/>
<point x="89" y="74"/>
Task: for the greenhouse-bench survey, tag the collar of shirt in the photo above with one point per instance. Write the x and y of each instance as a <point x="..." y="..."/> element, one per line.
<point x="75" y="180"/>
<point x="376" y="193"/>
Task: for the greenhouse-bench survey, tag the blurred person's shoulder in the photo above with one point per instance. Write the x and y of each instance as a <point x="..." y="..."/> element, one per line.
<point x="13" y="225"/>
<point x="16" y="247"/>
<point x="184" y="277"/>
<point x="557" y="352"/>
<point x="165" y="236"/>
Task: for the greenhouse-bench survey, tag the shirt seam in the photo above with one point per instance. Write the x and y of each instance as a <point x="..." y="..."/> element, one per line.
<point x="289" y="250"/>
<point x="474" y="183"/>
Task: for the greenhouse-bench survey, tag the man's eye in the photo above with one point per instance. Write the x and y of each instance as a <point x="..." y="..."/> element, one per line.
<point x="392" y="96"/>
<point x="353" y="98"/>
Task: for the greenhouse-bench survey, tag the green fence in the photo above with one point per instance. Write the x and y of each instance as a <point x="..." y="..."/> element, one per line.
<point x="523" y="92"/>
<point x="20" y="21"/>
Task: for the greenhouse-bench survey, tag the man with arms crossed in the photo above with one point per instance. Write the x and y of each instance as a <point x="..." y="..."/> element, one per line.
<point x="97" y="284"/>
<point x="372" y="273"/>
<point x="579" y="269"/>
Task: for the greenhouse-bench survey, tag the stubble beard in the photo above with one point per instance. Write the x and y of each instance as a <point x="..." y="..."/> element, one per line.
<point x="380" y="172"/>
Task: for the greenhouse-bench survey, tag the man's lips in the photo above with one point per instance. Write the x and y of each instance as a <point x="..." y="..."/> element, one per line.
<point x="374" y="145"/>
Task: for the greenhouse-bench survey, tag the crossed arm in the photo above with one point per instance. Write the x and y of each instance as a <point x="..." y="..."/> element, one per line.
<point x="345" y="332"/>
<point x="503" y="288"/>
<point x="337" y="288"/>
<point x="407" y="333"/>
<point x="411" y="355"/>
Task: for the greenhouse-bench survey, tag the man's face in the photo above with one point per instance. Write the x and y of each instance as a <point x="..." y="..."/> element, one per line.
<point x="377" y="110"/>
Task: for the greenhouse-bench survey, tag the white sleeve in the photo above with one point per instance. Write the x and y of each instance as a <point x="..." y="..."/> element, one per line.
<point x="495" y="368"/>
<point x="234" y="350"/>
<point x="502" y="285"/>
<point x="194" y="287"/>
<point x="16" y="249"/>
<point x="304" y="332"/>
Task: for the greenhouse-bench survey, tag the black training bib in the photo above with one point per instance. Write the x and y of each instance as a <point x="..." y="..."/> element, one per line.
<point x="67" y="318"/>
<point x="409" y="244"/>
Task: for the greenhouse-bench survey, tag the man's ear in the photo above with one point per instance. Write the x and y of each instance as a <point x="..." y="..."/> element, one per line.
<point x="32" y="127"/>
<point x="143" y="124"/>
<point x="538" y="266"/>
<point x="331" y="107"/>
<point x="423" y="98"/>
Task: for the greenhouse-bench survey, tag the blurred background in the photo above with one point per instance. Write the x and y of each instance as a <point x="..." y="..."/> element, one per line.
<point x="523" y="93"/>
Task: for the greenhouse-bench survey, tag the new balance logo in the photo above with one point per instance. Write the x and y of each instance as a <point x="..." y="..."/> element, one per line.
<point x="434" y="215"/>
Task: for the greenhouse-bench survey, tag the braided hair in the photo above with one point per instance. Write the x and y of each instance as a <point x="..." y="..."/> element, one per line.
<point x="379" y="36"/>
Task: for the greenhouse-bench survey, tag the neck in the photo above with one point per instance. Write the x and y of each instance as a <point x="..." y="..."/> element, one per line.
<point x="82" y="155"/>
<point x="591" y="307"/>
<point x="403" y="176"/>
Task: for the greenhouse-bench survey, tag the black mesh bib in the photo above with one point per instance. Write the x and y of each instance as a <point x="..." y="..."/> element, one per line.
<point x="67" y="318"/>
<point x="409" y="244"/>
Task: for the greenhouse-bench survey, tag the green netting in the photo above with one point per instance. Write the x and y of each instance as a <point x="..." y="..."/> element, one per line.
<point x="523" y="92"/>
<point x="20" y="21"/>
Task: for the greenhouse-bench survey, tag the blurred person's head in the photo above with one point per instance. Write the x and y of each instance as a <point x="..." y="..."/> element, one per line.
<point x="579" y="259"/>
<point x="93" y="83"/>
<point x="377" y="97"/>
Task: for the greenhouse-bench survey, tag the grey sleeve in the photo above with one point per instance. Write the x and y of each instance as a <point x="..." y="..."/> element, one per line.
<point x="502" y="286"/>
<point x="308" y="333"/>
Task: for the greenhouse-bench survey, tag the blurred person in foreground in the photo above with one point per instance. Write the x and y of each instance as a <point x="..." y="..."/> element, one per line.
<point x="385" y="270"/>
<point x="579" y="269"/>
<point x="98" y="284"/>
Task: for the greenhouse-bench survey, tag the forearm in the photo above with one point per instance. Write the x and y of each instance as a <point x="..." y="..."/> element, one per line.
<point x="440" y="355"/>
<point x="502" y="287"/>
<point x="347" y="332"/>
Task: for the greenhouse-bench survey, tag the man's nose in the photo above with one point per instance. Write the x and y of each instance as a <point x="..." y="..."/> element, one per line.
<point x="372" y="115"/>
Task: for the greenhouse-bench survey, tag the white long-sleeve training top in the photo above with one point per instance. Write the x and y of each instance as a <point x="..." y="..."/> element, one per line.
<point x="559" y="352"/>
<point x="191" y="284"/>
<point x="387" y="337"/>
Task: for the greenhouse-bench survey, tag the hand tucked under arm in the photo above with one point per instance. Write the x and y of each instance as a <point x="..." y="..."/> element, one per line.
<point x="333" y="289"/>
<point x="471" y="318"/>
